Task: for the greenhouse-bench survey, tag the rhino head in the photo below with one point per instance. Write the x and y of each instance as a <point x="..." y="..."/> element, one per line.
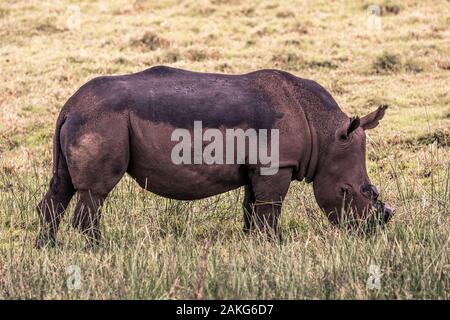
<point x="341" y="186"/>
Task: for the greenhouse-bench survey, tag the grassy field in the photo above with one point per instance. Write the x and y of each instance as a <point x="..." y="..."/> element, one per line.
<point x="156" y="248"/>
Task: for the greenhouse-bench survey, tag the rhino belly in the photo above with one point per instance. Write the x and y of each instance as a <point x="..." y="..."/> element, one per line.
<point x="153" y="168"/>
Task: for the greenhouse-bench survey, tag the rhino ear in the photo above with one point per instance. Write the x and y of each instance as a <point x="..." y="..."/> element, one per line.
<point x="348" y="128"/>
<point x="372" y="119"/>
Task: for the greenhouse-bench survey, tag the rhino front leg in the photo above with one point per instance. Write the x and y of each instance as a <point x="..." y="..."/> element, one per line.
<point x="269" y="192"/>
<point x="249" y="209"/>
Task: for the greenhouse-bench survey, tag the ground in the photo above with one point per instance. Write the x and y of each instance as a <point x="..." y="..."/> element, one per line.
<point x="158" y="248"/>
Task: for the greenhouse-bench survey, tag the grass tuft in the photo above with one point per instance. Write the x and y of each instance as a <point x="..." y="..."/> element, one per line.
<point x="387" y="63"/>
<point x="151" y="41"/>
<point x="440" y="137"/>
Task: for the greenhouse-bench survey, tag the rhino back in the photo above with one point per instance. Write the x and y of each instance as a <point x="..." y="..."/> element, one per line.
<point x="178" y="98"/>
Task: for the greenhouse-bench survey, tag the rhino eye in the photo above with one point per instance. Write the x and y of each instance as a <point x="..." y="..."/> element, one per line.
<point x="370" y="191"/>
<point x="345" y="190"/>
<point x="345" y="139"/>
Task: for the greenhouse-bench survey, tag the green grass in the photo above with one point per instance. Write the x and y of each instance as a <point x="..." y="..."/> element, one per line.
<point x="159" y="248"/>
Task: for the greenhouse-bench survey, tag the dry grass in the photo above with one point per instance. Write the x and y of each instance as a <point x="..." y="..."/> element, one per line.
<point x="157" y="248"/>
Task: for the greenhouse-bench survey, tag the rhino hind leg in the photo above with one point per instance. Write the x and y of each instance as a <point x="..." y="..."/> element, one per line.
<point x="93" y="183"/>
<point x="97" y="159"/>
<point x="52" y="207"/>
<point x="87" y="216"/>
<point x="269" y="192"/>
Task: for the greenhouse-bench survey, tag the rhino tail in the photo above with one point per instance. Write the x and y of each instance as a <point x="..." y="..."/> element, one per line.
<point x="57" y="153"/>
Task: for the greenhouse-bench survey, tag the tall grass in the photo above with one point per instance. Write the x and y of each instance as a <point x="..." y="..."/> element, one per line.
<point x="158" y="248"/>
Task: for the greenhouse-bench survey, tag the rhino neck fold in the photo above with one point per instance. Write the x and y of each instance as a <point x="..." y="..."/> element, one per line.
<point x="311" y="168"/>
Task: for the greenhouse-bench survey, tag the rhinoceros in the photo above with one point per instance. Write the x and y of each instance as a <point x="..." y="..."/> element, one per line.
<point x="124" y="124"/>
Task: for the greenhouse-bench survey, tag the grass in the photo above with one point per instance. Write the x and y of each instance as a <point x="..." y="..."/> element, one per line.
<point x="157" y="248"/>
